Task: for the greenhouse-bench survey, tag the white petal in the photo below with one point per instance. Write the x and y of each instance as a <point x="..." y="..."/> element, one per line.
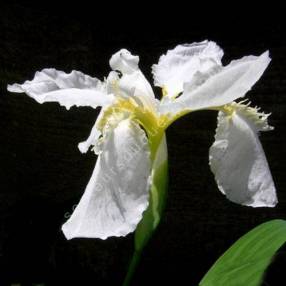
<point x="124" y="61"/>
<point x="132" y="83"/>
<point x="135" y="83"/>
<point x="75" y="88"/>
<point x="91" y="140"/>
<point x="238" y="162"/>
<point x="132" y="79"/>
<point x="118" y="191"/>
<point x="232" y="82"/>
<point x="183" y="62"/>
<point x="112" y="82"/>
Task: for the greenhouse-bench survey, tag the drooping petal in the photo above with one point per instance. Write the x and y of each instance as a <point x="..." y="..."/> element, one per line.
<point x="75" y="88"/>
<point x="180" y="64"/>
<point x="118" y="191"/>
<point x="230" y="83"/>
<point x="238" y="161"/>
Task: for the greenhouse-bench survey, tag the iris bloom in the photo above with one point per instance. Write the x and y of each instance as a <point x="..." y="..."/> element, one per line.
<point x="129" y="177"/>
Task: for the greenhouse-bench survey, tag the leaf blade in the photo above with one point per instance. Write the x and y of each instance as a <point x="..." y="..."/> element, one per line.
<point x="245" y="262"/>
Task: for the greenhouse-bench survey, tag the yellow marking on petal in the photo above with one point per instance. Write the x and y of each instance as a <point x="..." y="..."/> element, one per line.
<point x="259" y="119"/>
<point x="164" y="91"/>
<point x="135" y="109"/>
<point x="229" y="109"/>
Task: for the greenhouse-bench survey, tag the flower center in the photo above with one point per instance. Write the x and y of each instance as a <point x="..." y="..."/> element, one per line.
<point x="137" y="110"/>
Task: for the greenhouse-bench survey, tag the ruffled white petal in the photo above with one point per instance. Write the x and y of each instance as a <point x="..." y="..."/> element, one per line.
<point x="75" y="88"/>
<point x="180" y="64"/>
<point x="135" y="84"/>
<point x="132" y="83"/>
<point x="230" y="83"/>
<point x="238" y="161"/>
<point x="112" y="82"/>
<point x="95" y="137"/>
<point x="124" y="61"/>
<point x="118" y="191"/>
<point x="91" y="140"/>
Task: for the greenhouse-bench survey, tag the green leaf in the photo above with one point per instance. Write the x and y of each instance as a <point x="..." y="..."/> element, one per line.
<point x="245" y="262"/>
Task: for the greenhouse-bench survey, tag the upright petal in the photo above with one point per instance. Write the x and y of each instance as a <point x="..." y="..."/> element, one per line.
<point x="118" y="191"/>
<point x="75" y="88"/>
<point x="183" y="62"/>
<point x="135" y="84"/>
<point x="124" y="61"/>
<point x="228" y="84"/>
<point x="132" y="83"/>
<point x="238" y="161"/>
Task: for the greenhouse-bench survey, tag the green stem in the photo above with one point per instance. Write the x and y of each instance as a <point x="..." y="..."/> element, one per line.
<point x="132" y="267"/>
<point x="158" y="194"/>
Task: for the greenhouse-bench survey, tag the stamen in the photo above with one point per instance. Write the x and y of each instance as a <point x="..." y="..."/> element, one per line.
<point x="259" y="119"/>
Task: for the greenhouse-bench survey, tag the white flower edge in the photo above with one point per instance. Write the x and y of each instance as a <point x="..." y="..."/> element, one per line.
<point x="118" y="191"/>
<point x="238" y="161"/>
<point x="132" y="83"/>
<point x="73" y="89"/>
<point x="220" y="87"/>
<point x="180" y="64"/>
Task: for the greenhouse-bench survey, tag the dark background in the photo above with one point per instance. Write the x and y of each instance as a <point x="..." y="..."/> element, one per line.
<point x="42" y="173"/>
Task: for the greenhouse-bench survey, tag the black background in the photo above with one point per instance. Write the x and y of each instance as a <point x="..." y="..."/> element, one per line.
<point x="42" y="173"/>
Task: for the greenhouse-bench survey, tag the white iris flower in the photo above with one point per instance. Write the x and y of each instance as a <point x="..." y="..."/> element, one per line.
<point x="129" y="133"/>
